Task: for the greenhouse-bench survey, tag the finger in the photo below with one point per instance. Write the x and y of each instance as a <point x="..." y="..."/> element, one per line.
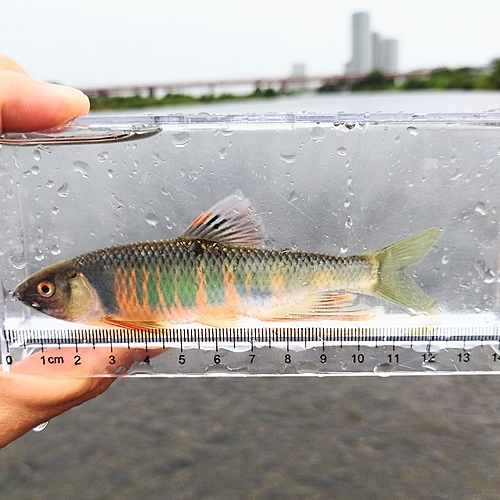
<point x="84" y="362"/>
<point x="27" y="104"/>
<point x="8" y="64"/>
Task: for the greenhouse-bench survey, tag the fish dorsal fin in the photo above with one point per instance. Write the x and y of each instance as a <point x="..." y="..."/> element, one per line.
<point x="231" y="221"/>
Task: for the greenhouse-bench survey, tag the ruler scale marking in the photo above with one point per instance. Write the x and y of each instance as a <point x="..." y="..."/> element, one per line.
<point x="442" y="343"/>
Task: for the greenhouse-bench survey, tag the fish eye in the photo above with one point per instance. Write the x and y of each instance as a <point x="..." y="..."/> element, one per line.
<point x="46" y="289"/>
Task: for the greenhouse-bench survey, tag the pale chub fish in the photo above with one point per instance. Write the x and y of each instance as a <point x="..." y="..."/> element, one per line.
<point x="218" y="272"/>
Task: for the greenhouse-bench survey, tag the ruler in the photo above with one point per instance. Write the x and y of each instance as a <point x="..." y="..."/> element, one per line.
<point x="402" y="346"/>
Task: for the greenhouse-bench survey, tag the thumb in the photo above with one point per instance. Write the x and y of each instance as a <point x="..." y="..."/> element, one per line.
<point x="27" y="104"/>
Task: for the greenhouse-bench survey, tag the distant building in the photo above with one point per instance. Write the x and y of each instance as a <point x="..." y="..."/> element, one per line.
<point x="299" y="70"/>
<point x="390" y="56"/>
<point x="361" y="61"/>
<point x="369" y="50"/>
<point x="299" y="73"/>
<point x="377" y="51"/>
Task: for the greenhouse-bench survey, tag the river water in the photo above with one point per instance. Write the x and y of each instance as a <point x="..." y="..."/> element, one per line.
<point x="272" y="438"/>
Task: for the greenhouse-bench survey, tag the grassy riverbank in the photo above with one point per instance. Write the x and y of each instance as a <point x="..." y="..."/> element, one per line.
<point x="440" y="79"/>
<point x="140" y="101"/>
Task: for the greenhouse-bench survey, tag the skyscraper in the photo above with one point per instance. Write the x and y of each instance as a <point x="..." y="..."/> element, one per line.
<point x="377" y="51"/>
<point x="361" y="61"/>
<point x="369" y="50"/>
<point x="390" y="56"/>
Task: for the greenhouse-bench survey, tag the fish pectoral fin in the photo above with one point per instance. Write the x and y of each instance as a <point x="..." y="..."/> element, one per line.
<point x="231" y="221"/>
<point x="135" y="325"/>
<point x="339" y="306"/>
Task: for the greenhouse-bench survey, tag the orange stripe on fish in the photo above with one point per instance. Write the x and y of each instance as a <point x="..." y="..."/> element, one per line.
<point x="201" y="294"/>
<point x="121" y="287"/>
<point x="248" y="284"/>
<point x="277" y="278"/>
<point x="161" y="299"/>
<point x="232" y="297"/>
<point x="145" y="306"/>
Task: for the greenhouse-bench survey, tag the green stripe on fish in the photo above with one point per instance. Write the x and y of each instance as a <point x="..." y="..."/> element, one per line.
<point x="187" y="283"/>
<point x="167" y="285"/>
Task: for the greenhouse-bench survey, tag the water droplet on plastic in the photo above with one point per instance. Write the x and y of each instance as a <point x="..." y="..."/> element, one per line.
<point x="397" y="140"/>
<point x="347" y="203"/>
<point x="55" y="210"/>
<point x="384" y="369"/>
<point x="431" y="366"/>
<point x="102" y="156"/>
<point x="50" y="183"/>
<point x="412" y="130"/>
<point x="222" y="153"/>
<point x="180" y="139"/>
<point x="293" y="196"/>
<point x="344" y="249"/>
<point x="480" y="208"/>
<point x="318" y="134"/>
<point x="39" y="254"/>
<point x="10" y="194"/>
<point x="111" y="174"/>
<point x="152" y="219"/>
<point x="288" y="158"/>
<point x="342" y="151"/>
<point x="41" y="427"/>
<point x="445" y="259"/>
<point x="349" y="181"/>
<point x="348" y="222"/>
<point x="55" y="250"/>
<point x="37" y="155"/>
<point x="63" y="190"/>
<point x="18" y="261"/>
<point x="485" y="273"/>
<point x="81" y="167"/>
<point x="35" y="169"/>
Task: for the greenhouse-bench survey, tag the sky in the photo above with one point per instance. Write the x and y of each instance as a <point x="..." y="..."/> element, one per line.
<point x="92" y="43"/>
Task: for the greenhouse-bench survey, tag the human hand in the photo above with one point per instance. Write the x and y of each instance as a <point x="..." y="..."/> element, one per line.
<point x="31" y="394"/>
<point x="27" y="104"/>
<point x="28" y="398"/>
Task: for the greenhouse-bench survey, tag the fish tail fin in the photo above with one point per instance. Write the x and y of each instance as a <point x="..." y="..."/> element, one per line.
<point x="393" y="284"/>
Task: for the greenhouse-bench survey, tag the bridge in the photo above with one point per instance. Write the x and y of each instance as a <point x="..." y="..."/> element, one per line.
<point x="213" y="86"/>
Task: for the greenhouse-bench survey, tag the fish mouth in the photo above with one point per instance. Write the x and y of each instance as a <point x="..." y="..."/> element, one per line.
<point x="19" y="294"/>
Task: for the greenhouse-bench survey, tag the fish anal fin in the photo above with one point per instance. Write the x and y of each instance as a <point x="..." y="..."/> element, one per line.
<point x="329" y="305"/>
<point x="135" y="325"/>
<point x="231" y="221"/>
<point x="219" y="322"/>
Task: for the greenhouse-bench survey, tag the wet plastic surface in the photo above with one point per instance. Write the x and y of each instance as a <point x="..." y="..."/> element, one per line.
<point x="342" y="184"/>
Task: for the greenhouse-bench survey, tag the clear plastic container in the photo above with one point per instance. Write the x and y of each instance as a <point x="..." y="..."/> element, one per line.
<point x="341" y="184"/>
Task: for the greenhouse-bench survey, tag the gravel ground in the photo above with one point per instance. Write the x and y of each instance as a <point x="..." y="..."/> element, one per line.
<point x="315" y="438"/>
